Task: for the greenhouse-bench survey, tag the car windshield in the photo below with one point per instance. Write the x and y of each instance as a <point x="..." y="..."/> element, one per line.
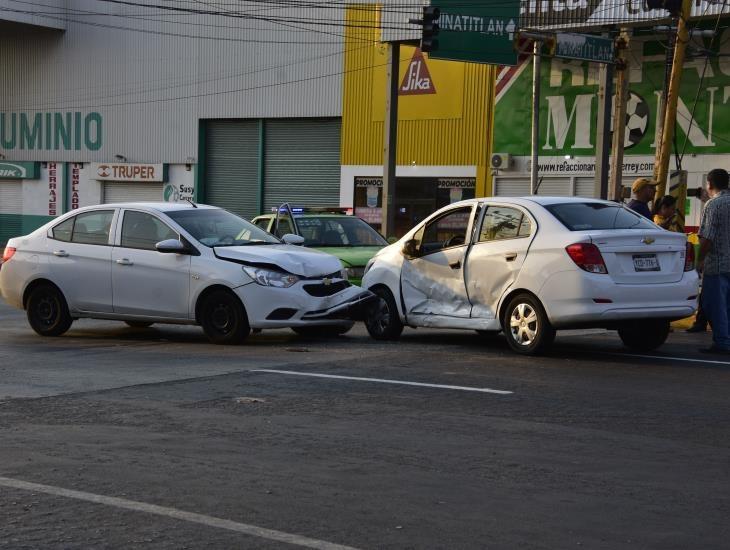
<point x="337" y="231"/>
<point x="216" y="227"/>
<point x="586" y="216"/>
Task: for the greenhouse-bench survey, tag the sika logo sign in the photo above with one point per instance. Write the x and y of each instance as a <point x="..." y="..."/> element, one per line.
<point x="417" y="79"/>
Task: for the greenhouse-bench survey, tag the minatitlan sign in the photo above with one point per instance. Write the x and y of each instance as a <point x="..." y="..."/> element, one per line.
<point x="107" y="171"/>
<point x="19" y="170"/>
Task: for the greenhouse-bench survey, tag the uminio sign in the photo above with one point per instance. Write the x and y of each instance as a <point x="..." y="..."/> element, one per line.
<point x="51" y="131"/>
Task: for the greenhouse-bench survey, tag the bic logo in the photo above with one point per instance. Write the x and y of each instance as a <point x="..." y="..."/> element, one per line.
<point x="417" y="80"/>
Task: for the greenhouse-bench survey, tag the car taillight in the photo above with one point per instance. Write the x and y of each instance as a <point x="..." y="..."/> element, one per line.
<point x="689" y="257"/>
<point x="587" y="257"/>
<point x="8" y="253"/>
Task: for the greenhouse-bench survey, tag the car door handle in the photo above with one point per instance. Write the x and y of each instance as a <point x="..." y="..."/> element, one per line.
<point x="455" y="265"/>
<point x="510" y="256"/>
<point x="125" y="261"/>
<point x="60" y="253"/>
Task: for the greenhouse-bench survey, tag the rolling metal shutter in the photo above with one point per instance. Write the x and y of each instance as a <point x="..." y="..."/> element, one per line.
<point x="11" y="208"/>
<point x="232" y="164"/>
<point x="554" y="187"/>
<point x="302" y="162"/>
<point x="585" y="186"/>
<point x="511" y="187"/>
<point x="117" y="191"/>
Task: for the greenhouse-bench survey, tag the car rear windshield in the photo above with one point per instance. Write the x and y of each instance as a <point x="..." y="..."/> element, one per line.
<point x="586" y="216"/>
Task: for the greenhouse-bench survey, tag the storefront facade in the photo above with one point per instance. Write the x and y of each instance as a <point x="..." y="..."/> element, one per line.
<point x="444" y="128"/>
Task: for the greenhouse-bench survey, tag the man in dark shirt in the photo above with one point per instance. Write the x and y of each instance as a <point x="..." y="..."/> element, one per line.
<point x="644" y="190"/>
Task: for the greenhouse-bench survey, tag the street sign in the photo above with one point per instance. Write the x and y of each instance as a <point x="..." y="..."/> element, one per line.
<point x="482" y="34"/>
<point x="584" y="46"/>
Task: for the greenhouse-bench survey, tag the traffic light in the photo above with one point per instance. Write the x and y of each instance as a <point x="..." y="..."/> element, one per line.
<point x="430" y="29"/>
<point x="672" y="6"/>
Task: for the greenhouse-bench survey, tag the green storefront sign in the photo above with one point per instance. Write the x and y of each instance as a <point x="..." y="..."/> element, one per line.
<point x="19" y="170"/>
<point x="481" y="33"/>
<point x="51" y="131"/>
<point x="569" y="103"/>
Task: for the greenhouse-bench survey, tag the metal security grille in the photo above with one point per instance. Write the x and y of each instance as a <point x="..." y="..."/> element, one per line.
<point x="232" y="165"/>
<point x="11" y="197"/>
<point x="302" y="162"/>
<point x="11" y="208"/>
<point x="116" y="191"/>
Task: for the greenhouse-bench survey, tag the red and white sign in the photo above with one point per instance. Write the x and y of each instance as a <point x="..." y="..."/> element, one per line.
<point x="75" y="174"/>
<point x="417" y="80"/>
<point x="52" y="189"/>
<point x="109" y="171"/>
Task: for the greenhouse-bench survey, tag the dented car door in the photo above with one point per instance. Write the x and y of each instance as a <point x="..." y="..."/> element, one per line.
<point x="432" y="276"/>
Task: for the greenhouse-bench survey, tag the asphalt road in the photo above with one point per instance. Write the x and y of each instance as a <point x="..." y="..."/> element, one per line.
<point x="113" y="437"/>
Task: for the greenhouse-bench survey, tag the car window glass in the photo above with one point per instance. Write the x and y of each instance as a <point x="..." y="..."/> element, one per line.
<point x="62" y="232"/>
<point x="284" y="226"/>
<point x="502" y="222"/>
<point x="446" y="231"/>
<point x="263" y="223"/>
<point x="337" y="231"/>
<point x="214" y="227"/>
<point x="92" y="227"/>
<point x="142" y="230"/>
<point x="585" y="216"/>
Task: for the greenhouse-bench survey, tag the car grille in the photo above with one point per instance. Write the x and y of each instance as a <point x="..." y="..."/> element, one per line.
<point x="321" y="290"/>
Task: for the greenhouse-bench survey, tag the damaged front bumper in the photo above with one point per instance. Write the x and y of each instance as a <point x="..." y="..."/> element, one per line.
<point x="269" y="307"/>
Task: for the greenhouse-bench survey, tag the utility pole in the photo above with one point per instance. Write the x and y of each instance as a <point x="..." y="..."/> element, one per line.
<point x="664" y="148"/>
<point x="390" y="144"/>
<point x="603" y="129"/>
<point x="619" y="116"/>
<point x="536" y="66"/>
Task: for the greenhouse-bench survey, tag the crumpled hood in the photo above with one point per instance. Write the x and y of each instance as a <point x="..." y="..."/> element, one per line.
<point x="304" y="262"/>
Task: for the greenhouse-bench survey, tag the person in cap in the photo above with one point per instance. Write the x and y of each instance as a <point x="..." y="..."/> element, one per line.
<point x="644" y="190"/>
<point x="714" y="260"/>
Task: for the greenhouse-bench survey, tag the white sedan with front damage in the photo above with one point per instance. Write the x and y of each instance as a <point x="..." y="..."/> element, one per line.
<point x="145" y="263"/>
<point x="528" y="266"/>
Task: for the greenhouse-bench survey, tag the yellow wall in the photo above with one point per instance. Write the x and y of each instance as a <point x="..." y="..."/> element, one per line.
<point x="451" y="127"/>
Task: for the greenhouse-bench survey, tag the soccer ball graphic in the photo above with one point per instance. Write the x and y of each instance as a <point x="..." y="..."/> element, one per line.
<point x="637" y="120"/>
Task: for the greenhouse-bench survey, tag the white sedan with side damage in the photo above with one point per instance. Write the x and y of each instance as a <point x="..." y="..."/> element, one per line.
<point x="529" y="266"/>
<point x="145" y="263"/>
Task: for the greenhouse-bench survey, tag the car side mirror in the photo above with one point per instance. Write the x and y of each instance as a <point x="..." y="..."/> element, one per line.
<point x="410" y="248"/>
<point x="291" y="238"/>
<point x="171" y="246"/>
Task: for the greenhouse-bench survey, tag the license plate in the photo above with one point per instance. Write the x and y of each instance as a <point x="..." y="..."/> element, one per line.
<point x="646" y="262"/>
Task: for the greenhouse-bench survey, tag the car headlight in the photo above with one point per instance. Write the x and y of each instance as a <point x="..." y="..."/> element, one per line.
<point x="267" y="277"/>
<point x="370" y="263"/>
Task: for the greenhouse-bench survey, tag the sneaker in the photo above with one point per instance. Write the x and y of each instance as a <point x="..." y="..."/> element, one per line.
<point x="697" y="328"/>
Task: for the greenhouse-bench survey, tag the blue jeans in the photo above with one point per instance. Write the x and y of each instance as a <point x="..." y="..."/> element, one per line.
<point x="716" y="303"/>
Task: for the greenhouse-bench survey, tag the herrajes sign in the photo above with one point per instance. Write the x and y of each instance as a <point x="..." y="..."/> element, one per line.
<point x="19" y="170"/>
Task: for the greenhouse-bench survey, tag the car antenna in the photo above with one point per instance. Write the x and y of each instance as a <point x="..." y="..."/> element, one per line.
<point x="188" y="199"/>
<point x="538" y="184"/>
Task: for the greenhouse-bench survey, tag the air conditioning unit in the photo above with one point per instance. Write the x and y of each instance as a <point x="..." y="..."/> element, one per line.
<point x="503" y="161"/>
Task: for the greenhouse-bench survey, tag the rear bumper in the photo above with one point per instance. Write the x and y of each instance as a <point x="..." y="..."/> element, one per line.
<point x="570" y="299"/>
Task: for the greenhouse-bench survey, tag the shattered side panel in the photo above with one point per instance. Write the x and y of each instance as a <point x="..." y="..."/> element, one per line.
<point x="432" y="287"/>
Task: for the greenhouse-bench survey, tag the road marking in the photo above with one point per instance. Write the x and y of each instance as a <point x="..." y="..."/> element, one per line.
<point x="666" y="357"/>
<point x="174" y="513"/>
<point x="384" y="381"/>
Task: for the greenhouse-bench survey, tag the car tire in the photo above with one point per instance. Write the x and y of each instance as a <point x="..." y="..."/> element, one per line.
<point x="644" y="335"/>
<point x="224" y="318"/>
<point x="323" y="331"/>
<point x="139" y="324"/>
<point x="47" y="311"/>
<point x="382" y="319"/>
<point x="526" y="326"/>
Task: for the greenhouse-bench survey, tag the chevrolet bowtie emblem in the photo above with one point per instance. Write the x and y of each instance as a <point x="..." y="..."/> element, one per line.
<point x="647" y="240"/>
<point x="326" y="282"/>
